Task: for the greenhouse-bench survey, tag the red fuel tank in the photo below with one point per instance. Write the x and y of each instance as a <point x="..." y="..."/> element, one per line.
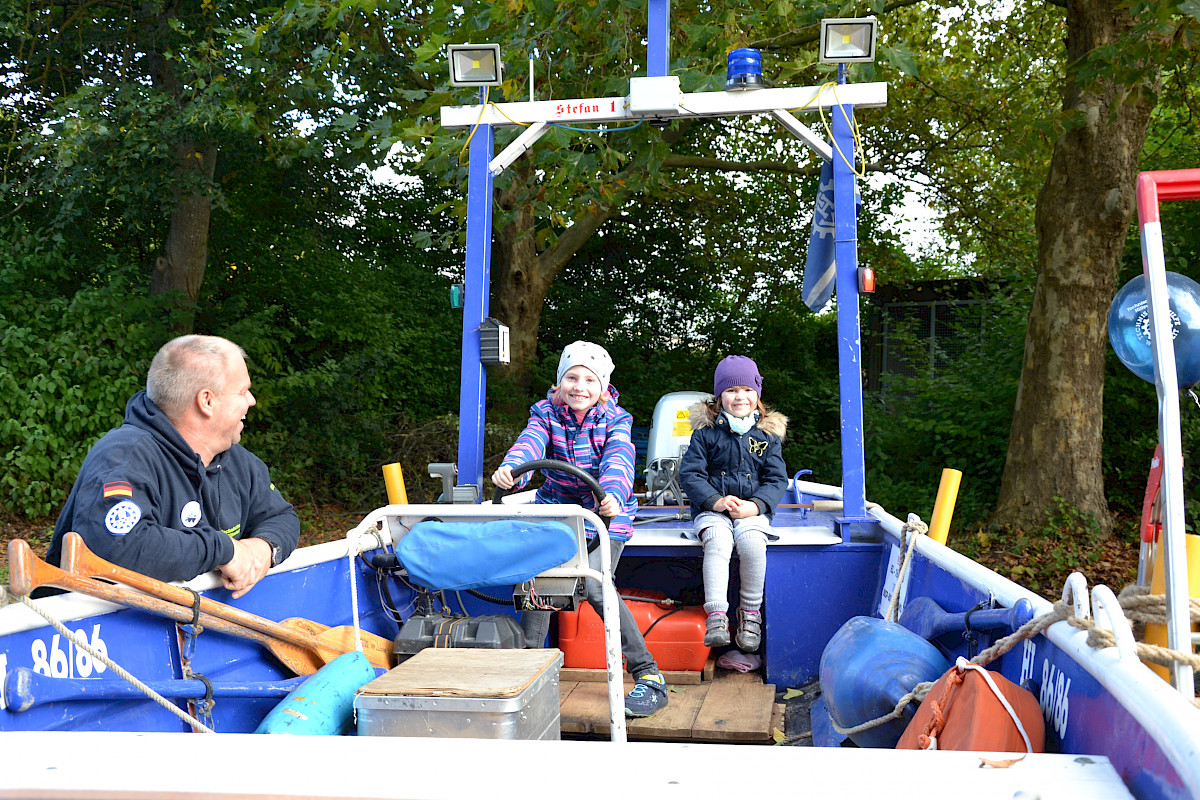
<point x="674" y="634"/>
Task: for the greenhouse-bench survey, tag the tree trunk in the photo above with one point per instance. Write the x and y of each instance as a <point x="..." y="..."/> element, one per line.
<point x="1082" y="219"/>
<point x="520" y="280"/>
<point x="522" y="276"/>
<point x="180" y="267"/>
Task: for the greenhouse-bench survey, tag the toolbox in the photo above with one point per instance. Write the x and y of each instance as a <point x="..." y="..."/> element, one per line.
<point x="465" y="693"/>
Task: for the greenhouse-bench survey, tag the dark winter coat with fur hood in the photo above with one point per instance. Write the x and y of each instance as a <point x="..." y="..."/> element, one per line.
<point x="719" y="462"/>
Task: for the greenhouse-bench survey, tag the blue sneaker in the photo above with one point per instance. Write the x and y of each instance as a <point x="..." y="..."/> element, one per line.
<point x="647" y="697"/>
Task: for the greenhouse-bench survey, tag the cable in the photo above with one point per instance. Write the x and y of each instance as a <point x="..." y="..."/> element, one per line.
<point x="482" y="108"/>
<point x="600" y="130"/>
<point x="853" y="129"/>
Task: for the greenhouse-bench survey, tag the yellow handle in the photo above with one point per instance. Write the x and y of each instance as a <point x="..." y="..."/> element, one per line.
<point x="1156" y="633"/>
<point x="943" y="509"/>
<point x="393" y="478"/>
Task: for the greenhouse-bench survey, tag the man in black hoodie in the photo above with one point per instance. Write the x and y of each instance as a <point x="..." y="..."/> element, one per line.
<point x="171" y="493"/>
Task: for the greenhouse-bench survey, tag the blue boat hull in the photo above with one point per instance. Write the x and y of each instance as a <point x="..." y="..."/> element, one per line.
<point x="1096" y="703"/>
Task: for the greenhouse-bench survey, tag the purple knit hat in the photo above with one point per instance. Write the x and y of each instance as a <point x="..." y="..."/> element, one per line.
<point x="736" y="371"/>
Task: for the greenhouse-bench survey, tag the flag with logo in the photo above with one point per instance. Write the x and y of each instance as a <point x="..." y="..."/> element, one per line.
<point x="820" y="267"/>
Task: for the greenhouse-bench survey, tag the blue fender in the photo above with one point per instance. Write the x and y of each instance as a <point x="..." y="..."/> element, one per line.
<point x="323" y="704"/>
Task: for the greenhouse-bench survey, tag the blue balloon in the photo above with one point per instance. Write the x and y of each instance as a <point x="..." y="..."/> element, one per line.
<point x="1129" y="328"/>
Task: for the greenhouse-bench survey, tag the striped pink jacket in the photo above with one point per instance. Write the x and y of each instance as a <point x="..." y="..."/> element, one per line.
<point x="600" y="445"/>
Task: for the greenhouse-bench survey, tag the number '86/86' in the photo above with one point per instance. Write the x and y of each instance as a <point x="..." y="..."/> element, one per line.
<point x="56" y="662"/>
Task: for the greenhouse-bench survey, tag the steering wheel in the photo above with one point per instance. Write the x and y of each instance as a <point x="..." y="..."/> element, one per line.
<point x="571" y="469"/>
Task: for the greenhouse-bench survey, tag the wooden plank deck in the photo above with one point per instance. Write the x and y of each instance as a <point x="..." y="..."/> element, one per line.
<point x="713" y="706"/>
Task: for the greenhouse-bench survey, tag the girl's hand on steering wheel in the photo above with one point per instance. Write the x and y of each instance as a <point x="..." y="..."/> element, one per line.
<point x="503" y="478"/>
<point x="609" y="508"/>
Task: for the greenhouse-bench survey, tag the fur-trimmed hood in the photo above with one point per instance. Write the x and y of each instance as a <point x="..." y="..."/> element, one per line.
<point x="704" y="415"/>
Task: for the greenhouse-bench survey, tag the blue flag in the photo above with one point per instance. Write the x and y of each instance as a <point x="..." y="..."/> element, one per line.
<point x="820" y="267"/>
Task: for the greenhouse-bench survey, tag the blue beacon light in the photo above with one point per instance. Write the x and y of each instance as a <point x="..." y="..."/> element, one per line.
<point x="744" y="70"/>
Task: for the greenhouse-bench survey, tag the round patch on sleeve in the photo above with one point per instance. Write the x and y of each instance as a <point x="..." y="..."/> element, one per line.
<point x="190" y="514"/>
<point x="121" y="518"/>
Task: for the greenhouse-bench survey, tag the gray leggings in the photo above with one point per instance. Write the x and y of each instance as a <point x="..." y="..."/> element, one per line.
<point x="638" y="660"/>
<point x="720" y="535"/>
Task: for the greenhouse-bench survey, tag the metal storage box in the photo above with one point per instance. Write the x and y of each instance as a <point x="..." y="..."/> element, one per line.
<point x="465" y="693"/>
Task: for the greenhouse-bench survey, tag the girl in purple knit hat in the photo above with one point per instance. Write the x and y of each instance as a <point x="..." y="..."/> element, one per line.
<point x="734" y="475"/>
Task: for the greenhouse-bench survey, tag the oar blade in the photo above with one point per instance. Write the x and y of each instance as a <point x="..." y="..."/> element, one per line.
<point x="333" y="642"/>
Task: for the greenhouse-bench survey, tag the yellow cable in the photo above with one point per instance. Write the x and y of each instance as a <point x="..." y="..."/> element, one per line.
<point x="482" y="108"/>
<point x="507" y="117"/>
<point x="853" y="129"/>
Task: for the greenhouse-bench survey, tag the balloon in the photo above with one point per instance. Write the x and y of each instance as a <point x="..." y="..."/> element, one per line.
<point x="1129" y="328"/>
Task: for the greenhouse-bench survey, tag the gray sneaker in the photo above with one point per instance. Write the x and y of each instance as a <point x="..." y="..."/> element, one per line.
<point x="749" y="631"/>
<point x="716" y="629"/>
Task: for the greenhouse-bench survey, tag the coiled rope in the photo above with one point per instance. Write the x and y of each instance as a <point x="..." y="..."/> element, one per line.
<point x="78" y="639"/>
<point x="1136" y="601"/>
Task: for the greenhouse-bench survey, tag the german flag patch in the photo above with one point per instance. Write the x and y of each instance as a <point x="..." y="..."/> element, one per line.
<point x="118" y="489"/>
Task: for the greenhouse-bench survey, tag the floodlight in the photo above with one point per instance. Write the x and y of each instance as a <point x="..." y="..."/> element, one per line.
<point x="474" y="64"/>
<point x="848" y="40"/>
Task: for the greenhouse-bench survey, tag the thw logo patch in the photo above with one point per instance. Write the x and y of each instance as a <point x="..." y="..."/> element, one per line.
<point x="757" y="448"/>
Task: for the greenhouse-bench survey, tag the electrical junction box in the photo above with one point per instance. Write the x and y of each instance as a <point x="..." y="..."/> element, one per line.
<point x="658" y="95"/>
<point x="493" y="342"/>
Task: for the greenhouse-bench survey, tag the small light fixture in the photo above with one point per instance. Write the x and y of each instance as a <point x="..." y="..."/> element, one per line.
<point x="743" y="70"/>
<point x="493" y="342"/>
<point x="474" y="64"/>
<point x="848" y="40"/>
<point x="866" y="280"/>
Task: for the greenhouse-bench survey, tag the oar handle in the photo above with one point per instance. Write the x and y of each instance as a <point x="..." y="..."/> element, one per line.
<point x="27" y="572"/>
<point x="79" y="560"/>
<point x="24" y="689"/>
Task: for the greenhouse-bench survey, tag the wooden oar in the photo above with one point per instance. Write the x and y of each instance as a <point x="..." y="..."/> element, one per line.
<point x="24" y="689"/>
<point x="26" y="572"/>
<point x="328" y="642"/>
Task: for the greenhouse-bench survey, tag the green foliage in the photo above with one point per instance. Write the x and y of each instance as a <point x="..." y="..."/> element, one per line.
<point x="67" y="366"/>
<point x="955" y="413"/>
<point x="347" y="322"/>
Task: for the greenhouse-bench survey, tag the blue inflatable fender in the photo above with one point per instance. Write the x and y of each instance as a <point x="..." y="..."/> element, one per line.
<point x="324" y="704"/>
<point x="466" y="555"/>
<point x="867" y="667"/>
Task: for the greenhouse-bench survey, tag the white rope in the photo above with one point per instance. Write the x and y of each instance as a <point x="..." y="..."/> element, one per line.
<point x="352" y="553"/>
<point x="911" y="528"/>
<point x="961" y="664"/>
<point x="78" y="639"/>
<point x="353" y="550"/>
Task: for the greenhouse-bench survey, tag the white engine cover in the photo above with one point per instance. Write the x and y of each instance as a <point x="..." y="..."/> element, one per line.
<point x="670" y="430"/>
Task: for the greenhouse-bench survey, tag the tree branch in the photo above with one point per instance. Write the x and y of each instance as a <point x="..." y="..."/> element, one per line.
<point x="720" y="165"/>
<point x="804" y="36"/>
<point x="589" y="222"/>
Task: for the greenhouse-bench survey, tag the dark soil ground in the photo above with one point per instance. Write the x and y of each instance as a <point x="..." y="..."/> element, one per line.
<point x="1040" y="561"/>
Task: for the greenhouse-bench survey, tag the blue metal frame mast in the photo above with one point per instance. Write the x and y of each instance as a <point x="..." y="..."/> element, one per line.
<point x="473" y="376"/>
